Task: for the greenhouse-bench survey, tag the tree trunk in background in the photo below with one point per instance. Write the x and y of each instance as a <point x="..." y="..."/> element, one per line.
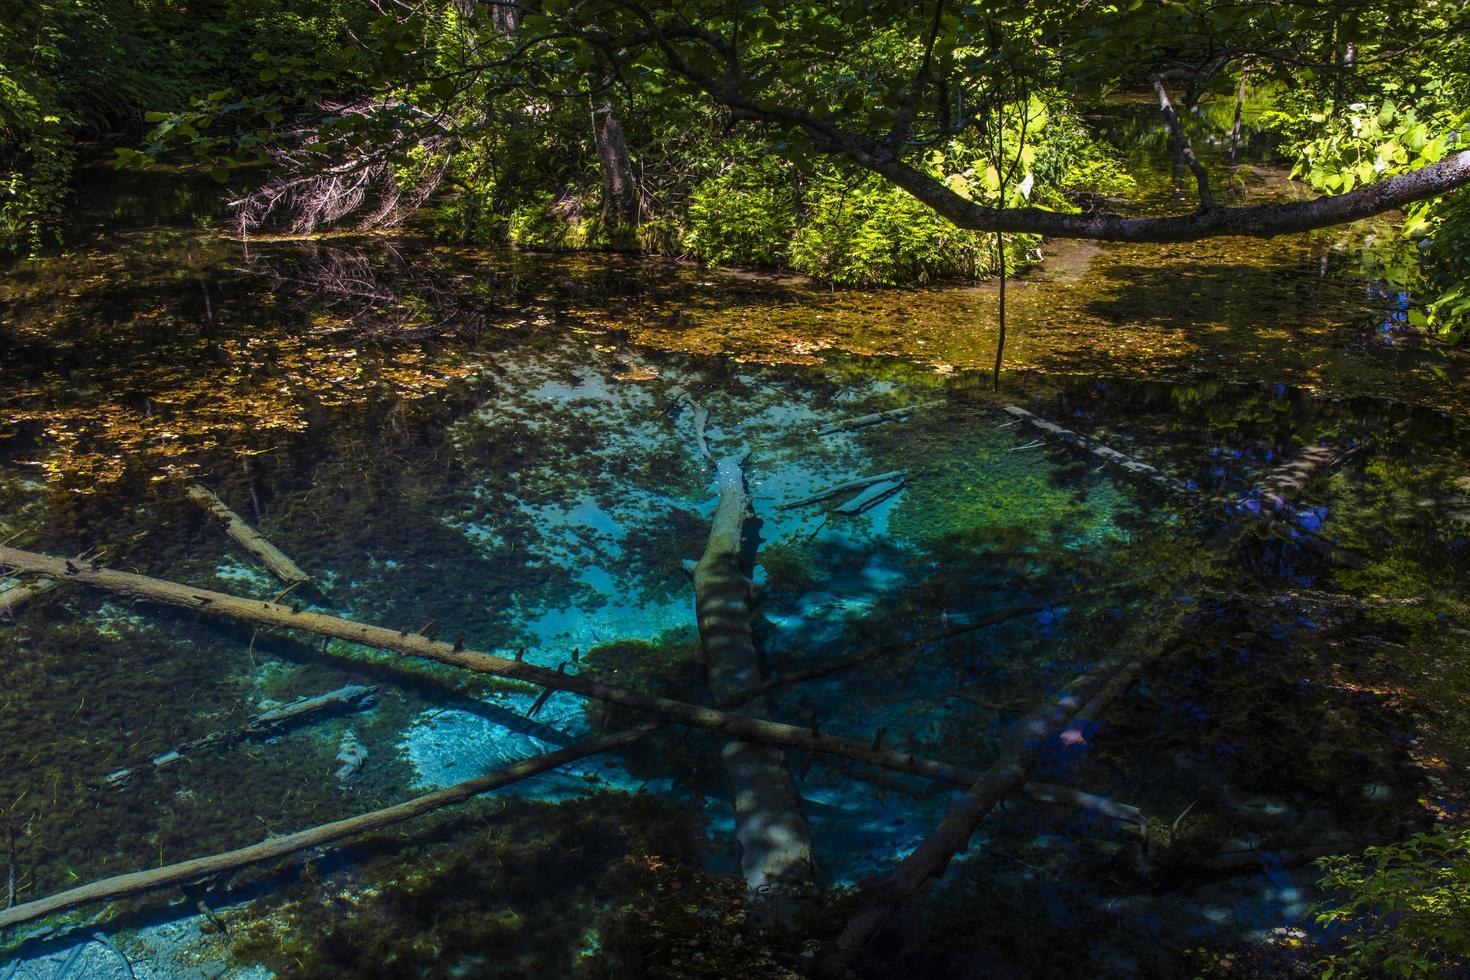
<point x="620" y="200"/>
<point x="1235" y="130"/>
<point x="505" y="18"/>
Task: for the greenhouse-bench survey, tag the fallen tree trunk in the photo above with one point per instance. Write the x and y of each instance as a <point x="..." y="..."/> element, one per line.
<point x="1017" y="754"/>
<point x="20" y="592"/>
<point x="1291" y="476"/>
<point x="862" y="421"/>
<point x="775" y="841"/>
<point x="185" y="872"/>
<point x="349" y="697"/>
<point x="273" y="614"/>
<point x="1273" y="495"/>
<point x="832" y="491"/>
<point x="250" y="539"/>
<point x="870" y="498"/>
<point x="1105" y="453"/>
<point x="1151" y="635"/>
<point x="682" y="399"/>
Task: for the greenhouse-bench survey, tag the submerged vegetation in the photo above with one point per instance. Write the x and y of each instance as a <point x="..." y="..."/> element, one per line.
<point x="987" y="480"/>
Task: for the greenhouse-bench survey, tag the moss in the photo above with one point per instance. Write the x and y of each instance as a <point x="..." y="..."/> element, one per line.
<point x="789" y="568"/>
<point x="512" y="888"/>
<point x="670" y="668"/>
<point x="684" y="922"/>
<point x="79" y="703"/>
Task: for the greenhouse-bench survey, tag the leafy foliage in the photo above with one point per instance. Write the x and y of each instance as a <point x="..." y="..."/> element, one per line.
<point x="1404" y="908"/>
<point x="864" y="231"/>
<point x="745" y="215"/>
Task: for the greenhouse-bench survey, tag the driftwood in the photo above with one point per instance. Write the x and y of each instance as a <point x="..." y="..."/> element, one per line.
<point x="18" y="592"/>
<point x="1150" y="635"/>
<point x="775" y="840"/>
<point x="273" y="614"/>
<point x="250" y="539"/>
<point x="272" y="848"/>
<point x="1097" y="449"/>
<point x="870" y="498"/>
<point x="350" y="697"/>
<point x="277" y="615"/>
<point x="862" y="421"/>
<point x="832" y="491"/>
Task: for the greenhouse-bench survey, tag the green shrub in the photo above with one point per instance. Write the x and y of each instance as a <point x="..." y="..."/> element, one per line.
<point x="864" y="231"/>
<point x="1404" y="908"/>
<point x="744" y="216"/>
<point x="550" y="222"/>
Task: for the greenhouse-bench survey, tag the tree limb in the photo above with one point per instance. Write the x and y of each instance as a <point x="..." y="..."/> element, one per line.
<point x="1182" y="144"/>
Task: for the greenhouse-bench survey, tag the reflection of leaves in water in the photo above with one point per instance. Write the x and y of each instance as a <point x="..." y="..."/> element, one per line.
<point x="159" y="362"/>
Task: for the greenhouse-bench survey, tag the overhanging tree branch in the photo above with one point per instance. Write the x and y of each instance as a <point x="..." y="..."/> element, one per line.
<point x="1262" y="221"/>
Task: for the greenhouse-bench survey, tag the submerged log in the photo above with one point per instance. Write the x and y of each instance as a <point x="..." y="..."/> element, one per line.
<point x="775" y="840"/>
<point x="870" y="498"/>
<point x="1280" y="483"/>
<point x="863" y="421"/>
<point x="1105" y="453"/>
<point x="185" y="872"/>
<point x="1150" y="635"/>
<point x="18" y="592"/>
<point x="349" y="697"/>
<point x="276" y="615"/>
<point x="832" y="491"/>
<point x="1291" y="476"/>
<point x="682" y="399"/>
<point x="250" y="539"/>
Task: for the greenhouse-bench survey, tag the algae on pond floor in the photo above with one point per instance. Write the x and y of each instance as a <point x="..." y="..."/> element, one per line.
<point x="481" y="442"/>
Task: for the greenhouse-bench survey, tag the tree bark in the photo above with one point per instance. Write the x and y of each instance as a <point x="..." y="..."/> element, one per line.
<point x="621" y="203"/>
<point x="1104" y="453"/>
<point x="775" y="840"/>
<point x="1235" y="129"/>
<point x="20" y="593"/>
<point x="860" y="483"/>
<point x="862" y="421"/>
<point x="349" y="697"/>
<point x="249" y="538"/>
<point x="139" y="882"/>
<point x="272" y="614"/>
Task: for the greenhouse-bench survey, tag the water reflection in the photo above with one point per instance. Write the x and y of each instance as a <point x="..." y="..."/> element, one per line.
<point x="484" y="440"/>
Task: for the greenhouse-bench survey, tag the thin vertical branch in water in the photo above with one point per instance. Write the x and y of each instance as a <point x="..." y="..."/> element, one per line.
<point x="10" y="861"/>
<point x="1235" y="131"/>
<point x="1000" y="343"/>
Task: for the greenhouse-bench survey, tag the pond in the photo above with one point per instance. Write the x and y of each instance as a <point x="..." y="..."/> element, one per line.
<point x="501" y="450"/>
